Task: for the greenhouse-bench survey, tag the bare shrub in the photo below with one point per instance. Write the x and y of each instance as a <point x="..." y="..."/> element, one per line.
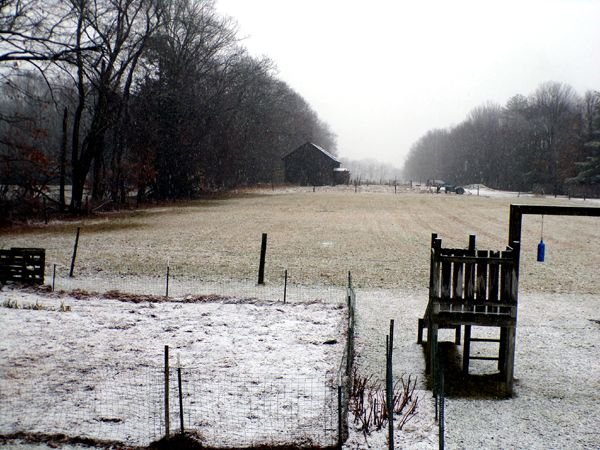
<point x="368" y="402"/>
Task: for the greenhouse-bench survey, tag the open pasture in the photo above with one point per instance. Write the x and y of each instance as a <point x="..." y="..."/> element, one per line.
<point x="381" y="237"/>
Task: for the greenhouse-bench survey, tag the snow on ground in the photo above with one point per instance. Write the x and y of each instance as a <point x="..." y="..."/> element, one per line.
<point x="96" y="370"/>
<point x="557" y="370"/>
<point x="558" y="337"/>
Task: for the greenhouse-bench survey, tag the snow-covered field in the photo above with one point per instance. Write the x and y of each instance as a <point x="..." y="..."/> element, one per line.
<point x="383" y="240"/>
<point x="253" y="371"/>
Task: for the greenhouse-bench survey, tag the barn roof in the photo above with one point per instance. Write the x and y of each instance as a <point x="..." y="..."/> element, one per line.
<point x="322" y="150"/>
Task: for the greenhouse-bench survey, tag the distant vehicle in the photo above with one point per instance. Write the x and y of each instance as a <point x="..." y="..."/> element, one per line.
<point x="459" y="190"/>
<point x="448" y="187"/>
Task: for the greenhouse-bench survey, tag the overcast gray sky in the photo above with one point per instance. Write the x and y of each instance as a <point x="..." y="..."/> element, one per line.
<point x="382" y="73"/>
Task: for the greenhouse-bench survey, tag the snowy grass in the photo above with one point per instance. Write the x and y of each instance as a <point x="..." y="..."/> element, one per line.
<point x="383" y="239"/>
<point x="254" y="371"/>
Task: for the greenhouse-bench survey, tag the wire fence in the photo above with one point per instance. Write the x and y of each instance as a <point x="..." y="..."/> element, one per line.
<point x="130" y="405"/>
<point x="257" y="410"/>
<point x="97" y="403"/>
<point x="172" y="285"/>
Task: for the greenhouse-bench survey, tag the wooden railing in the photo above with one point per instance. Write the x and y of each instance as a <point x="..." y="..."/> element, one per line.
<point x="470" y="280"/>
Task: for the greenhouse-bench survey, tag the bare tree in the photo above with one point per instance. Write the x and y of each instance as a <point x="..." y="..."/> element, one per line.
<point x="120" y="29"/>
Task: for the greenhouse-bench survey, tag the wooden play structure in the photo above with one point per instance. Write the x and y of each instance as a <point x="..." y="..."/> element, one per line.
<point x="471" y="287"/>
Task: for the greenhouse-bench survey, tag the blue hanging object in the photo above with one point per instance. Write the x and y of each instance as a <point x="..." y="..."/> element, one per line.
<point x="541" y="251"/>
<point x="541" y="246"/>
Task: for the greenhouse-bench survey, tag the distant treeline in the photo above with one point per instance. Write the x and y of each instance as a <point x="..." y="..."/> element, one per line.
<point x="547" y="142"/>
<point x="107" y="98"/>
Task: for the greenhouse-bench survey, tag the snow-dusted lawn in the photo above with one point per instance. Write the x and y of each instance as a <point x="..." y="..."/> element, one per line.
<point x="382" y="238"/>
<point x="253" y="371"/>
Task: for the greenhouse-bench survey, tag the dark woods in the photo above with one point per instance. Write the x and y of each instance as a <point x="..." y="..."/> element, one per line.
<point x="548" y="143"/>
<point x="107" y="101"/>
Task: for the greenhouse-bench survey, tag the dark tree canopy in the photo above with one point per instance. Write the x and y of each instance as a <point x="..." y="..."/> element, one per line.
<point x="139" y="97"/>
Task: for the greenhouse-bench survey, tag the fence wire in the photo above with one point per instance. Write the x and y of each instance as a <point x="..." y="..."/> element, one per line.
<point x="256" y="410"/>
<point x="176" y="286"/>
<point x="96" y="403"/>
<point x="128" y="405"/>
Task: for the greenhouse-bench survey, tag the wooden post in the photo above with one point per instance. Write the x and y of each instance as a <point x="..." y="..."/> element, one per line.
<point x="167" y="282"/>
<point x="263" y="253"/>
<point x="467" y="349"/>
<point x="284" y="285"/>
<point x="167" y="431"/>
<point x="74" y="253"/>
<point x="53" y="275"/>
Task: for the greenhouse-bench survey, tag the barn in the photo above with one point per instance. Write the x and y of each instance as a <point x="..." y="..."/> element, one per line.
<point x="310" y="165"/>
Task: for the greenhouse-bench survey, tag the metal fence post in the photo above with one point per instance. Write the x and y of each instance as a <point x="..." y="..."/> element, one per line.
<point x="340" y="427"/>
<point x="167" y="431"/>
<point x="180" y="400"/>
<point x="390" y="385"/>
<point x="442" y="418"/>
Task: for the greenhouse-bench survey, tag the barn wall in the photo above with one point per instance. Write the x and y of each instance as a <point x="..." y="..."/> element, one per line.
<point x="308" y="166"/>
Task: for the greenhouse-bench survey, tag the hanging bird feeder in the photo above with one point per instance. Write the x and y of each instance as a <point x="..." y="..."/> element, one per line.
<point x="541" y="248"/>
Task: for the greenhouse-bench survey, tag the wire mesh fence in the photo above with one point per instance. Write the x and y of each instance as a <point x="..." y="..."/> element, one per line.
<point x="174" y="285"/>
<point x="97" y="403"/>
<point x="256" y="410"/>
<point x="128" y="406"/>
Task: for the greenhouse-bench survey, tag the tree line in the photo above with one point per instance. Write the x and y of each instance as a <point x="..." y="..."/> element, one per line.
<point x="547" y="142"/>
<point x="105" y="98"/>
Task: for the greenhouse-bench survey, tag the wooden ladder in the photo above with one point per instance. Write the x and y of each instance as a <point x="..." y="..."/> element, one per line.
<point x="467" y="350"/>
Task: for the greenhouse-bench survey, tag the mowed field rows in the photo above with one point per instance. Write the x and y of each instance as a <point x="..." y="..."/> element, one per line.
<point x="381" y="237"/>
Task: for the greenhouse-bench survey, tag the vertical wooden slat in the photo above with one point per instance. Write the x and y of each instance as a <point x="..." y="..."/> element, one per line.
<point x="470" y="272"/>
<point x="494" y="275"/>
<point x="433" y="268"/>
<point x="506" y="272"/>
<point x="446" y="279"/>
<point x="514" y="287"/>
<point x="457" y="278"/>
<point x="482" y="272"/>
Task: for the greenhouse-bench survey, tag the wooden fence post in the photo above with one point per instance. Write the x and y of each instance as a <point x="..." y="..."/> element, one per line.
<point x="263" y="253"/>
<point x="167" y="281"/>
<point x="285" y="277"/>
<point x="74" y="253"/>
